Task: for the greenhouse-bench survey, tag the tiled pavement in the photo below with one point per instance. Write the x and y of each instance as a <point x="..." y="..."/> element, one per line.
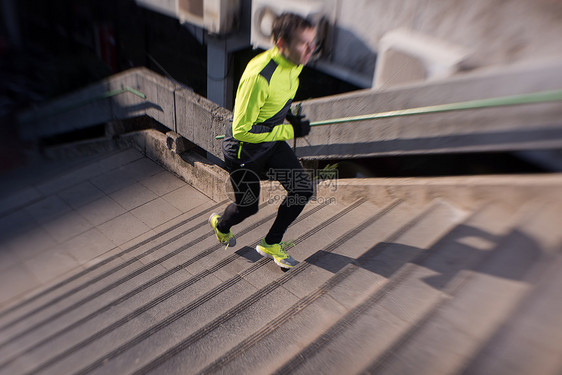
<point x="99" y="205"/>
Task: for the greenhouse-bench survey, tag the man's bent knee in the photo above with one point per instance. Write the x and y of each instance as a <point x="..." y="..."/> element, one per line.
<point x="248" y="210"/>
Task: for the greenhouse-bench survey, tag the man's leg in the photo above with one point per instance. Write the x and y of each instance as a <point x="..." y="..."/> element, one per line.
<point x="289" y="172"/>
<point x="246" y="187"/>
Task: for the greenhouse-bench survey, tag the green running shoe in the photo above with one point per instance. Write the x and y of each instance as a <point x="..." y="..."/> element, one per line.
<point x="277" y="253"/>
<point x="227" y="238"/>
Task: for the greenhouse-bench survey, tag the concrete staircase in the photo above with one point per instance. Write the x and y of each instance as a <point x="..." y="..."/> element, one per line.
<point x="392" y="285"/>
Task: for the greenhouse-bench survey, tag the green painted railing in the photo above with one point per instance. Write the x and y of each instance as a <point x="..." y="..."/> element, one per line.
<point x="33" y="116"/>
<point x="532" y="98"/>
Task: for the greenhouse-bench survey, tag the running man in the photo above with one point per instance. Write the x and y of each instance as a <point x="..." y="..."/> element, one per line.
<point x="256" y="144"/>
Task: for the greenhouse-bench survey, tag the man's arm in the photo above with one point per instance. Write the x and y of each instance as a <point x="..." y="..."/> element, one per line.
<point x="251" y="96"/>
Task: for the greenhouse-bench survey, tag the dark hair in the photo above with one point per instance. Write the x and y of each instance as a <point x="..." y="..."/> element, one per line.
<point x="287" y="24"/>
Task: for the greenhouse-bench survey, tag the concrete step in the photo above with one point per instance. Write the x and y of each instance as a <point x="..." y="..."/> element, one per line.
<point x="127" y="281"/>
<point x="99" y="288"/>
<point x="478" y="302"/>
<point x="111" y="266"/>
<point x="69" y="217"/>
<point x="166" y="303"/>
<point x="258" y="314"/>
<point x="331" y="292"/>
<point x="401" y="296"/>
<point x="529" y="341"/>
<point x="169" y="326"/>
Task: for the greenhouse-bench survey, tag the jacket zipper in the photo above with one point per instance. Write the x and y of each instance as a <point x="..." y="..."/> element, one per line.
<point x="240" y="150"/>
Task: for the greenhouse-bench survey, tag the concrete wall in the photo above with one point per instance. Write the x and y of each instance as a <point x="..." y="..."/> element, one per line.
<point x="522" y="127"/>
<point x="532" y="126"/>
<point x="497" y="32"/>
<point x="175" y="107"/>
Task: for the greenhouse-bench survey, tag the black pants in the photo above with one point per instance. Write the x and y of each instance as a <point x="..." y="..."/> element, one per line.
<point x="280" y="164"/>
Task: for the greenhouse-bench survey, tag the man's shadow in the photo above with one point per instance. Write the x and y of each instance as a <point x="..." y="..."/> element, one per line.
<point x="518" y="253"/>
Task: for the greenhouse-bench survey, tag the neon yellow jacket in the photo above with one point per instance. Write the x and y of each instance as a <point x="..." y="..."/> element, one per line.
<point x="265" y="94"/>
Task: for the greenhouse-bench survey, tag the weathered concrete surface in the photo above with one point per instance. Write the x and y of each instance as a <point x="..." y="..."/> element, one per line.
<point x="496" y="32"/>
<point x="177" y="108"/>
<point x="199" y="120"/>
<point x="504" y="128"/>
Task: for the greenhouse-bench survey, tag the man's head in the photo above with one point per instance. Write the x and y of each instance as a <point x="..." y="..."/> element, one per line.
<point x="294" y="36"/>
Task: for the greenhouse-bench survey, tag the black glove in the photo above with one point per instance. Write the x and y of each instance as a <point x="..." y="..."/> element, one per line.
<point x="301" y="126"/>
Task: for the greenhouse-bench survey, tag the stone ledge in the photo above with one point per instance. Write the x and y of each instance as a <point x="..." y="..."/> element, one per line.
<point x="191" y="167"/>
<point x="212" y="180"/>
